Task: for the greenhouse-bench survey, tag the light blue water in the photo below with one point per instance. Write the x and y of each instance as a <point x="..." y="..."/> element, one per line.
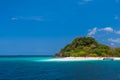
<point x="35" y="68"/>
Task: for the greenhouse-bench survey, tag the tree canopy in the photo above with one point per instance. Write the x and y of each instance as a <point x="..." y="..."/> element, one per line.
<point x="88" y="47"/>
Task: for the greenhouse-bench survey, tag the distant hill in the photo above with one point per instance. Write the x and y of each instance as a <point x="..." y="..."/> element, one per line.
<point x="88" y="47"/>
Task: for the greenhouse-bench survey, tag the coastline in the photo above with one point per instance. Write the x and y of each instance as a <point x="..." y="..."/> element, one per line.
<point x="81" y="58"/>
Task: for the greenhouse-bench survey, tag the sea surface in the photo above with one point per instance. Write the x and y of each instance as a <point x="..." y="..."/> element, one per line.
<point x="36" y="68"/>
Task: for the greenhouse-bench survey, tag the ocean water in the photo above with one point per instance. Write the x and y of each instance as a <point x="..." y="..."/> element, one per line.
<point x="35" y="68"/>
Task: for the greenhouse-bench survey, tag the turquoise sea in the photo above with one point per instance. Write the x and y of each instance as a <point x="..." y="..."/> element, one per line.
<point x="35" y="68"/>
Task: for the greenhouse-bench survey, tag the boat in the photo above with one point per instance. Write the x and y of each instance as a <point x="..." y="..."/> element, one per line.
<point x="108" y="59"/>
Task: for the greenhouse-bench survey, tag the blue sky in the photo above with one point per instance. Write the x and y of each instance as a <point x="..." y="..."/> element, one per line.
<point x="36" y="27"/>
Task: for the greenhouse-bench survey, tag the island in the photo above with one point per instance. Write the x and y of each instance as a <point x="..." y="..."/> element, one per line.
<point x="87" y="48"/>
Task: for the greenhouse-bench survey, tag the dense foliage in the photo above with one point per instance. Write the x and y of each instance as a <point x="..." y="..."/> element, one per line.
<point x="88" y="47"/>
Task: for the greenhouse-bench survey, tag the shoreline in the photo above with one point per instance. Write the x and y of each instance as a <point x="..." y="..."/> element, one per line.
<point x="82" y="58"/>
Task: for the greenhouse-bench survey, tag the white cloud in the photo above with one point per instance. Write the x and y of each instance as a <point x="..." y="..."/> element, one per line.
<point x="92" y="32"/>
<point x="117" y="40"/>
<point x="87" y="0"/>
<point x="34" y="18"/>
<point x="84" y="2"/>
<point x="117" y="32"/>
<point x="108" y="29"/>
<point x="14" y="18"/>
<point x="116" y="17"/>
<point x="112" y="44"/>
<point x="95" y="30"/>
<point x="106" y="35"/>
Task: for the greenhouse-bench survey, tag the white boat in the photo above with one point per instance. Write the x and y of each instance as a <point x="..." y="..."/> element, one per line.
<point x="108" y="59"/>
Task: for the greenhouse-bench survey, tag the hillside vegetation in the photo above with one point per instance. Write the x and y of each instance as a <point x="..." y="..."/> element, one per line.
<point x="88" y="47"/>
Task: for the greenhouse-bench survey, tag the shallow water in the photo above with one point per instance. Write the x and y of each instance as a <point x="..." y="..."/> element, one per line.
<point x="35" y="68"/>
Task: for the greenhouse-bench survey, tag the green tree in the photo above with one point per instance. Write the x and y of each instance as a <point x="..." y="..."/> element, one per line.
<point x="88" y="46"/>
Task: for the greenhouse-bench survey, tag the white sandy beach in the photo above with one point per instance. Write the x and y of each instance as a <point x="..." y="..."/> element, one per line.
<point x="81" y="58"/>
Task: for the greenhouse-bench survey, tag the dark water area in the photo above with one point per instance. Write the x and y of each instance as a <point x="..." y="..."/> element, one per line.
<point x="23" y="68"/>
